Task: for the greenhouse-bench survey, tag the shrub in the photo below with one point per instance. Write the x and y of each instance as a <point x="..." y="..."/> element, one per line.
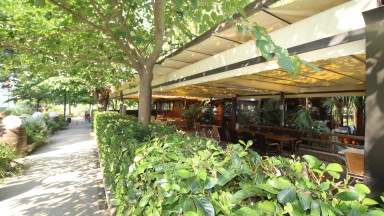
<point x="36" y="129"/>
<point x="7" y="155"/>
<point x="156" y="171"/>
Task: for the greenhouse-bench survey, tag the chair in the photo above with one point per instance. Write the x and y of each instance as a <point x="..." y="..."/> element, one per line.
<point x="265" y="147"/>
<point x="215" y="132"/>
<point x="198" y="129"/>
<point x="153" y="118"/>
<point x="355" y="165"/>
<point x="297" y="135"/>
<point x="233" y="137"/>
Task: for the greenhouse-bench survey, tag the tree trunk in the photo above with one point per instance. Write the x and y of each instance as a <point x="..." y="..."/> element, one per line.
<point x="145" y="94"/>
<point x="102" y="97"/>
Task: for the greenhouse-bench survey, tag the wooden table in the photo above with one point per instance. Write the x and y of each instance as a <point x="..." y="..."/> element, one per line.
<point x="280" y="139"/>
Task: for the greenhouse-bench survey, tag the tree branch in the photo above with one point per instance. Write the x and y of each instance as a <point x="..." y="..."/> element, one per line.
<point x="59" y="33"/>
<point x="77" y="15"/>
<point x="159" y="22"/>
<point x="98" y="11"/>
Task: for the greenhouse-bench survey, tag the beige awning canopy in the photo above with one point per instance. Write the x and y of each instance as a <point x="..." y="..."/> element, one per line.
<point x="224" y="62"/>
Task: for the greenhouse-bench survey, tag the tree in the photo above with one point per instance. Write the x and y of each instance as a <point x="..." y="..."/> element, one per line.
<point x="132" y="33"/>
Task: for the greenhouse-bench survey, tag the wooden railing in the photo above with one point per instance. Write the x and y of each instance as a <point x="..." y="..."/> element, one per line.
<point x="326" y="142"/>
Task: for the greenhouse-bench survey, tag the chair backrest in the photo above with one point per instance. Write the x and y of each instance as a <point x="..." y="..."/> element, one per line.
<point x="197" y="126"/>
<point x="262" y="143"/>
<point x="355" y="163"/>
<point x="233" y="138"/>
<point x="215" y="131"/>
<point x="223" y="134"/>
<point x="295" y="134"/>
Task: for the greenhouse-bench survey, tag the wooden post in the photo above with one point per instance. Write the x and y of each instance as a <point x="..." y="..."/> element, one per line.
<point x="282" y="109"/>
<point x="233" y="114"/>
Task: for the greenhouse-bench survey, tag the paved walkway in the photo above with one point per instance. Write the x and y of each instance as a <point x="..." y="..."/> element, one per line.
<point x="62" y="178"/>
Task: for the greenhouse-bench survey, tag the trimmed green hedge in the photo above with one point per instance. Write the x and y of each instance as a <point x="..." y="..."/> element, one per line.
<point x="154" y="170"/>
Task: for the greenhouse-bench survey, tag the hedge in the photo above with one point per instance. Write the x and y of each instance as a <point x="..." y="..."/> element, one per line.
<point x="154" y="170"/>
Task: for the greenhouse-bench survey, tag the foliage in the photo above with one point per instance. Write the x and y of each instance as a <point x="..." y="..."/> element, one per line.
<point x="7" y="155"/>
<point x="192" y="113"/>
<point x="56" y="125"/>
<point x="36" y="129"/>
<point x="155" y="171"/>
<point x="117" y="38"/>
<point x="271" y="112"/>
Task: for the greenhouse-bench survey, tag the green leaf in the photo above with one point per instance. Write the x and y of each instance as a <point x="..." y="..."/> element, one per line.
<point x="226" y="177"/>
<point x="313" y="66"/>
<point x="363" y="188"/>
<point x="188" y="205"/>
<point x="280" y="183"/>
<point x="236" y="161"/>
<point x="239" y="28"/>
<point x="194" y="4"/>
<point x="184" y="173"/>
<point x="305" y="200"/>
<point x="334" y="167"/>
<point x="211" y="183"/>
<point x="190" y="213"/>
<point x="265" y="48"/>
<point x="368" y="201"/>
<point x="245" y="211"/>
<point x="347" y="196"/>
<point x="140" y="169"/>
<point x="204" y="206"/>
<point x="286" y="195"/>
<point x="324" y="186"/>
<point x="173" y="156"/>
<point x="288" y="208"/>
<point x="48" y="15"/>
<point x="202" y="174"/>
<point x="315" y="208"/>
<point x="179" y="3"/>
<point x="375" y="212"/>
<point x="267" y="188"/>
<point x="334" y="174"/>
<point x="354" y="212"/>
<point x="39" y="3"/>
<point x="242" y="194"/>
<point x="143" y="202"/>
<point x="312" y="161"/>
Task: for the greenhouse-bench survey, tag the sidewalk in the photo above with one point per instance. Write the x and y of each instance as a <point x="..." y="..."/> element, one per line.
<point x="62" y="178"/>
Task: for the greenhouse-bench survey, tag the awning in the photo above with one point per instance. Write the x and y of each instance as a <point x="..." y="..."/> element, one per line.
<point x="226" y="63"/>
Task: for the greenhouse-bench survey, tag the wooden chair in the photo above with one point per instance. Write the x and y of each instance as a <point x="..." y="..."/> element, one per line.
<point x="355" y="166"/>
<point x="297" y="135"/>
<point x="265" y="147"/>
<point x="215" y="132"/>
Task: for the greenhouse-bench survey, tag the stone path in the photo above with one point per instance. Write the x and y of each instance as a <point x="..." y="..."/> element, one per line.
<point x="62" y="178"/>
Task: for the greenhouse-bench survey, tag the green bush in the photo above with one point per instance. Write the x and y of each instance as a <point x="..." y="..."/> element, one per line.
<point x="36" y="129"/>
<point x="156" y="171"/>
<point x="7" y="155"/>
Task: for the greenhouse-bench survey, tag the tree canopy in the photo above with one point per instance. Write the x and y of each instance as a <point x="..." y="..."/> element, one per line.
<point x="101" y="39"/>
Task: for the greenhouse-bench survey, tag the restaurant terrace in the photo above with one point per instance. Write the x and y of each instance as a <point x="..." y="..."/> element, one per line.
<point x="342" y="38"/>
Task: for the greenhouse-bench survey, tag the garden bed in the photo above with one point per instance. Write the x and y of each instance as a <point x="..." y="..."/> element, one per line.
<point x="153" y="170"/>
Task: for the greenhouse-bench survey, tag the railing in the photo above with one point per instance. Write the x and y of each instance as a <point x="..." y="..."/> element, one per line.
<point x="326" y="142"/>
